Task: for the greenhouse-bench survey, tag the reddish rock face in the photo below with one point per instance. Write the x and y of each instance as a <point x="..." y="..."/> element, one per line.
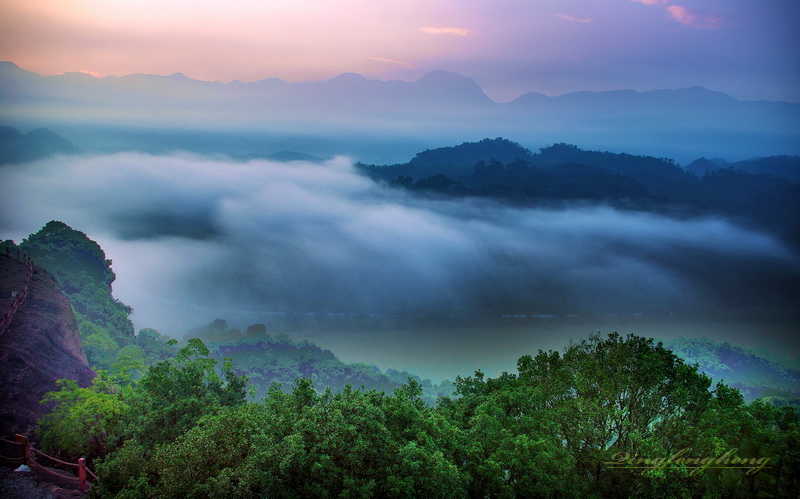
<point x="40" y="346"/>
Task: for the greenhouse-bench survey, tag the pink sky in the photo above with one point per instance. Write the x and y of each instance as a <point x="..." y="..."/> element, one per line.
<point x="746" y="48"/>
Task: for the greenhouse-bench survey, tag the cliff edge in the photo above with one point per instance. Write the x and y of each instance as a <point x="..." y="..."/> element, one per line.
<point x="40" y="345"/>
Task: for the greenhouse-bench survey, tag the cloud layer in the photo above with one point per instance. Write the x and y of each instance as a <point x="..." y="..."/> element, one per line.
<point x="196" y="238"/>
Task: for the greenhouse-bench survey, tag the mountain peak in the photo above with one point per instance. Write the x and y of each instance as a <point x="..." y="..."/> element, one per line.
<point x="348" y="78"/>
<point x="16" y="147"/>
<point x="469" y="153"/>
<point x="77" y="75"/>
<point x="8" y="68"/>
<point x="442" y="77"/>
<point x="448" y="83"/>
<point x="8" y="65"/>
<point x="698" y="91"/>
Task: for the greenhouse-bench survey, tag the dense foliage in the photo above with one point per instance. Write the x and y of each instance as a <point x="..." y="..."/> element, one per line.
<point x="167" y="401"/>
<point x="559" y="427"/>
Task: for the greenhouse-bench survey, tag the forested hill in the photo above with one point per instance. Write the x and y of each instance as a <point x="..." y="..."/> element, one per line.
<point x="275" y="358"/>
<point x="502" y="170"/>
<point x="455" y="162"/>
<point x="755" y="374"/>
<point x="784" y="166"/>
<point x="84" y="275"/>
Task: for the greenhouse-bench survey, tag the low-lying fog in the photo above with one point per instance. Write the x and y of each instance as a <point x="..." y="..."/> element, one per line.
<point x="194" y="238"/>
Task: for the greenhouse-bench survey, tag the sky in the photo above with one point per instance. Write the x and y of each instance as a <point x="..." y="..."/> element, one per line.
<point x="747" y="48"/>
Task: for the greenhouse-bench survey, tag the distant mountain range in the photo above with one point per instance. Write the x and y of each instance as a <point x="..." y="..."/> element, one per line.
<point x="440" y="107"/>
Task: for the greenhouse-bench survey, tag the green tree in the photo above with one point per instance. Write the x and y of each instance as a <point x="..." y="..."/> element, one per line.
<point x="130" y="362"/>
<point x="550" y="430"/>
<point x="175" y="393"/>
<point x="566" y="415"/>
<point x="84" y="421"/>
<point x="155" y="346"/>
<point x="299" y="444"/>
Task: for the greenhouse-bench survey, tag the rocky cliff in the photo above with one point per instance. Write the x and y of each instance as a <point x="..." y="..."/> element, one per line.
<point x="40" y="345"/>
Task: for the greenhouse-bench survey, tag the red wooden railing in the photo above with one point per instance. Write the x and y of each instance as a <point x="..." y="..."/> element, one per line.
<point x="27" y="458"/>
<point x="19" y="299"/>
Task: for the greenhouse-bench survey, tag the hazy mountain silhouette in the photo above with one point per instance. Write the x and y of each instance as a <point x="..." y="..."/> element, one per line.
<point x="701" y="166"/>
<point x="17" y="147"/>
<point x="785" y="167"/>
<point x="441" y="107"/>
<point x="455" y="162"/>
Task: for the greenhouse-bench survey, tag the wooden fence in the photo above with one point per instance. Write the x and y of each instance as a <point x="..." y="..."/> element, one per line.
<point x="27" y="452"/>
<point x="20" y="298"/>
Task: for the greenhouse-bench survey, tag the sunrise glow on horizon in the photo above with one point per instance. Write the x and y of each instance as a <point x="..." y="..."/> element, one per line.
<point x="747" y="49"/>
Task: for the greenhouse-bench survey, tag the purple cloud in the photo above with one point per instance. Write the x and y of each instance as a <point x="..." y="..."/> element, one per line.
<point x="694" y="19"/>
<point x="445" y="30"/>
<point x="567" y="17"/>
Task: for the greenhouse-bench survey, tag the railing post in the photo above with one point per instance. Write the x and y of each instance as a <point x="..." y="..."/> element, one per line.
<point x="26" y="450"/>
<point x="82" y="473"/>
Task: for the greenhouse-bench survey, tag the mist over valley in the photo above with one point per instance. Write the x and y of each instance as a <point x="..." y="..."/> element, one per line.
<point x="400" y="249"/>
<point x="346" y="212"/>
<point x="425" y="281"/>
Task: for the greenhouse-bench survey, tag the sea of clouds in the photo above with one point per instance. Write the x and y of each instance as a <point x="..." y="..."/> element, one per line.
<point x="194" y="238"/>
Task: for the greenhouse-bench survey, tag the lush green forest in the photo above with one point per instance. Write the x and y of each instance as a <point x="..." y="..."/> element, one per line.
<point x="249" y="413"/>
<point x="608" y="417"/>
